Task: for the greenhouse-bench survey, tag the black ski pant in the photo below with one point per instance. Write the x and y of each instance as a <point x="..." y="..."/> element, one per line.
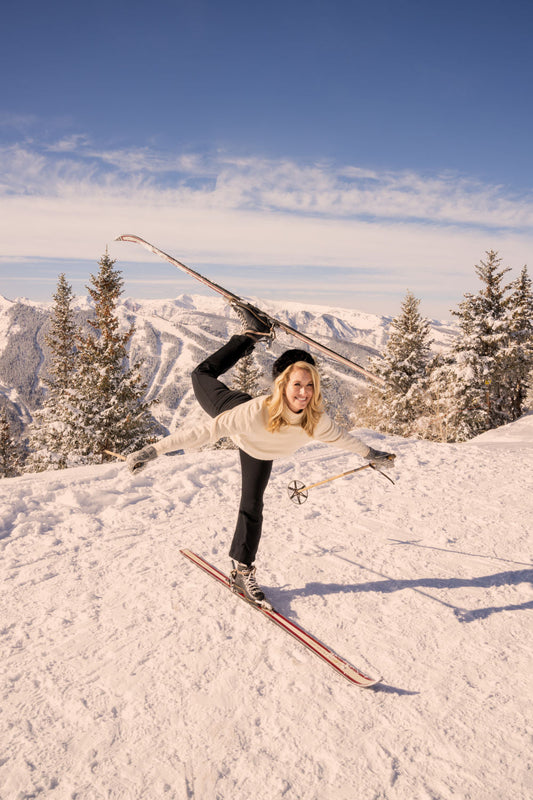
<point x="215" y="397"/>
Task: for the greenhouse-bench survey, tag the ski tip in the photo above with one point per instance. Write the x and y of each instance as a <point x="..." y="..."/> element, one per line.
<point x="372" y="683"/>
<point x="360" y="679"/>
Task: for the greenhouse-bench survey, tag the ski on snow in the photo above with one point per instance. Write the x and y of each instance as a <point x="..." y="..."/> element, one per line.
<point x="325" y="653"/>
<point x="234" y="298"/>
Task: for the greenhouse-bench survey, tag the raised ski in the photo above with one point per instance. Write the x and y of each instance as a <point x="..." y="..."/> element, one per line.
<point x="238" y="301"/>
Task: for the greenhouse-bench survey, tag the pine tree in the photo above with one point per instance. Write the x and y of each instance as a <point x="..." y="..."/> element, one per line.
<point x="48" y="432"/>
<point x="246" y="379"/>
<point x="329" y="395"/>
<point x="61" y="336"/>
<point x="441" y="421"/>
<point x="10" y="452"/>
<point x="247" y="375"/>
<point x="479" y="353"/>
<point x="106" y="396"/>
<point x="519" y="354"/>
<point x="400" y="405"/>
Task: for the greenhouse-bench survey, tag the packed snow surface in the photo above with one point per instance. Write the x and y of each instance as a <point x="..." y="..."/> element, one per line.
<point x="128" y="673"/>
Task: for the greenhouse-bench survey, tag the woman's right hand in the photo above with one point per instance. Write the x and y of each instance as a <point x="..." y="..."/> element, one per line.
<point x="138" y="460"/>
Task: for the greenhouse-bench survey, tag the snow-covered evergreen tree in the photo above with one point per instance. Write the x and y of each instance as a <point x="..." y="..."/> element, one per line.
<point x="479" y="367"/>
<point x="61" y="335"/>
<point x="519" y="353"/>
<point x="247" y="374"/>
<point x="441" y="420"/>
<point x="400" y="405"/>
<point x="106" y="395"/>
<point x="10" y="451"/>
<point x="326" y="386"/>
<point x="48" y="433"/>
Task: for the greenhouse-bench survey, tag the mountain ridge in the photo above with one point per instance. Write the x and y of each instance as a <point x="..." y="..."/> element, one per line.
<point x="173" y="335"/>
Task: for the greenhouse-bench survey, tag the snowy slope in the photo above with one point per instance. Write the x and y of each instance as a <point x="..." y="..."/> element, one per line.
<point x="127" y="673"/>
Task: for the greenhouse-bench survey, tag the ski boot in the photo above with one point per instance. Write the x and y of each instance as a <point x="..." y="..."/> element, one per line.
<point x="242" y="580"/>
<point x="255" y="323"/>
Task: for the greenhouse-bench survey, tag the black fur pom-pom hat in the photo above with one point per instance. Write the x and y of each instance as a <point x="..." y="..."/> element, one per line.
<point x="290" y="357"/>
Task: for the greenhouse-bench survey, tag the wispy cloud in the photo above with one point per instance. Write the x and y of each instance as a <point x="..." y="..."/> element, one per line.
<point x="322" y="190"/>
<point x="69" y="197"/>
<point x="69" y="144"/>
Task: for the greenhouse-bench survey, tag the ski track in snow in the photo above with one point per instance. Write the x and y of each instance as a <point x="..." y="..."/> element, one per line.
<point x="127" y="673"/>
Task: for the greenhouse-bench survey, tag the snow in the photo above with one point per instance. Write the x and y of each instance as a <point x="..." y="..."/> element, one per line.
<point x="519" y="434"/>
<point x="128" y="673"/>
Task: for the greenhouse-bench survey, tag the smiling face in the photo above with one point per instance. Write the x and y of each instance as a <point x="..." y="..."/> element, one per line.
<point x="299" y="390"/>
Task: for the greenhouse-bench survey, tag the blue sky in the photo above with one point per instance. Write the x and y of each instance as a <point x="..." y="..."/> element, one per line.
<point x="329" y="152"/>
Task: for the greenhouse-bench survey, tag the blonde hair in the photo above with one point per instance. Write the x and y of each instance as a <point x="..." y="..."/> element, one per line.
<point x="276" y="402"/>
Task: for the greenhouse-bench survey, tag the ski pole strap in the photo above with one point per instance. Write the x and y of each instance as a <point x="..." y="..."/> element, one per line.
<point x="373" y="466"/>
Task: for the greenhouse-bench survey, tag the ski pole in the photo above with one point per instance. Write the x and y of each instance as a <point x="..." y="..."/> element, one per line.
<point x="115" y="455"/>
<point x="299" y="493"/>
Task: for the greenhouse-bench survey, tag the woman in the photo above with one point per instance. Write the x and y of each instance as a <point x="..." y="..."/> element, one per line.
<point x="264" y="428"/>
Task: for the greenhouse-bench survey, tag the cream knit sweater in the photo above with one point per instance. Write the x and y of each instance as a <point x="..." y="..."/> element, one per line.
<point x="246" y="426"/>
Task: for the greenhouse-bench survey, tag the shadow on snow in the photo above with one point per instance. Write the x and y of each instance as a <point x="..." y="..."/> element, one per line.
<point x="282" y="598"/>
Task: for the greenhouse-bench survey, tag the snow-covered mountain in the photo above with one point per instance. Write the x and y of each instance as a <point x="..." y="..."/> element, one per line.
<point x="172" y="336"/>
<point x="128" y="674"/>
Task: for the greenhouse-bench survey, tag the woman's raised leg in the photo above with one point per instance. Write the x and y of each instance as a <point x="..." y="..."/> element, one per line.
<point x="213" y="395"/>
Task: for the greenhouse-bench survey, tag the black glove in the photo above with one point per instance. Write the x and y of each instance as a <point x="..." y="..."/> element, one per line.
<point x="138" y="460"/>
<point x="380" y="459"/>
